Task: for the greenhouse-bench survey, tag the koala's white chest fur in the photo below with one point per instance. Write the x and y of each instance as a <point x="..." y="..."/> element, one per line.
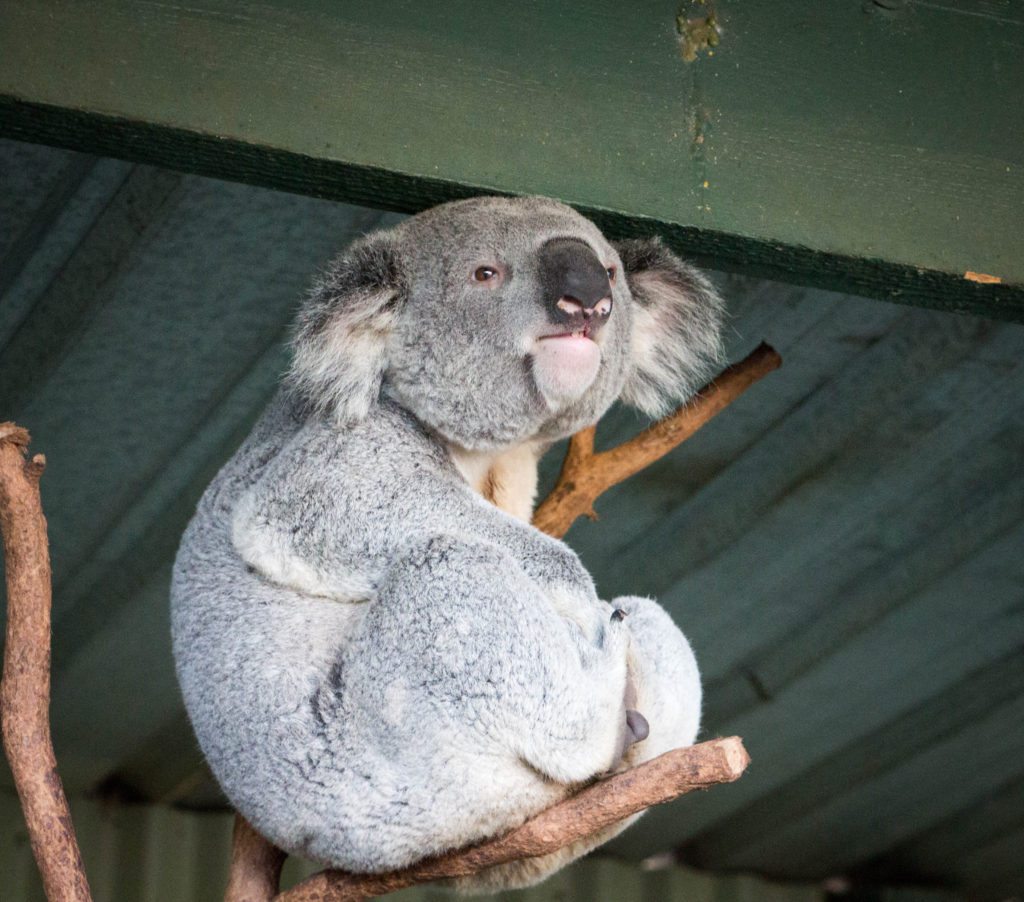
<point x="508" y="478"/>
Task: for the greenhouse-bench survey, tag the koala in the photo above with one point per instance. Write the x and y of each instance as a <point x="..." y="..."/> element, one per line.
<point x="381" y="658"/>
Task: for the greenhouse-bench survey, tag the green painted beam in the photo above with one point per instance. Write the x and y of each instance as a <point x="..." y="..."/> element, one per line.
<point x="872" y="147"/>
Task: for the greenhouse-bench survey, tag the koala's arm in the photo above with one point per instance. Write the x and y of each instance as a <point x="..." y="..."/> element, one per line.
<point x="330" y="513"/>
<point x="459" y="623"/>
<point x="299" y="527"/>
<point x="328" y="518"/>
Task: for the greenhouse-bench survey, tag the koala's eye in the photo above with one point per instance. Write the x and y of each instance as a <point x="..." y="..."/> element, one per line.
<point x="485" y="274"/>
<point x="611" y="274"/>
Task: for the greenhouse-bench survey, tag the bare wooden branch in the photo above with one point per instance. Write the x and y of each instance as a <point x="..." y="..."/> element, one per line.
<point x="594" y="808"/>
<point x="25" y="691"/>
<point x="586" y="475"/>
<point x="255" y="865"/>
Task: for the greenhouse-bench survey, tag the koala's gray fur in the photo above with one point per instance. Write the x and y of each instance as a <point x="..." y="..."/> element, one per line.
<point x="379" y="663"/>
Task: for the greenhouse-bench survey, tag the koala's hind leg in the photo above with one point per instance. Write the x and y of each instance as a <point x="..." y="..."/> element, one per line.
<point x="665" y="688"/>
<point x="486" y="703"/>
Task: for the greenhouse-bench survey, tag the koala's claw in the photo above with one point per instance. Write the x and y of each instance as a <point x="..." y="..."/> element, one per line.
<point x="637" y="727"/>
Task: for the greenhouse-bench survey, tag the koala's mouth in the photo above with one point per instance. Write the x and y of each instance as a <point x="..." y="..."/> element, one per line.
<point x="565" y="365"/>
<point x="582" y="333"/>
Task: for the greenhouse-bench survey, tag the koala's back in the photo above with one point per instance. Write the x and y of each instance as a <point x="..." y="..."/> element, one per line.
<point x="246" y="649"/>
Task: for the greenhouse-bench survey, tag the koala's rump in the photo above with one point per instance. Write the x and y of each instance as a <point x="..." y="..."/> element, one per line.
<point x="259" y="670"/>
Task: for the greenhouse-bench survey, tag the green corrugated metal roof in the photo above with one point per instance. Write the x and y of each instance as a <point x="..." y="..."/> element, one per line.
<point x="843" y="546"/>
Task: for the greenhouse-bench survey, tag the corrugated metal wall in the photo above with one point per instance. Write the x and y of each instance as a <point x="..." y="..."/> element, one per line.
<point x="154" y="853"/>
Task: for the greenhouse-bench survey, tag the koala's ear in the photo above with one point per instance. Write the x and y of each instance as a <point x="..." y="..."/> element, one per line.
<point x="341" y="333"/>
<point x="677" y="318"/>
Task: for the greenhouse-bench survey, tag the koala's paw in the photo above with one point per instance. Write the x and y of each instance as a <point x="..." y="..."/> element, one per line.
<point x="664" y="682"/>
<point x="635" y="727"/>
<point x="581" y="726"/>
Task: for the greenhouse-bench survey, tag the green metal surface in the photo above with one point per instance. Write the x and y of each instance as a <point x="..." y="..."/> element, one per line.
<point x="875" y="147"/>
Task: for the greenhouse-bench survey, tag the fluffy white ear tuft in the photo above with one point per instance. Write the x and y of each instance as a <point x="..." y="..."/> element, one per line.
<point x="677" y="320"/>
<point x="341" y="331"/>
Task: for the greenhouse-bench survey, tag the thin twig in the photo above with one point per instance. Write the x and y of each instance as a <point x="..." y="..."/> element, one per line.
<point x="590" y="810"/>
<point x="586" y="475"/>
<point x="25" y="691"/>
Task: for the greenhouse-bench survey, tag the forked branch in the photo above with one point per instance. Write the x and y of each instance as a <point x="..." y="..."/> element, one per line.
<point x="587" y="474"/>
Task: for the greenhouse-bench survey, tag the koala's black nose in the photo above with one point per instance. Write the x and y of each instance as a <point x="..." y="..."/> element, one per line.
<point x="575" y="283"/>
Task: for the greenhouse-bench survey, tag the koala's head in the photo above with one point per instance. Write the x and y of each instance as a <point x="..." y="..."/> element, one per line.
<point x="499" y="320"/>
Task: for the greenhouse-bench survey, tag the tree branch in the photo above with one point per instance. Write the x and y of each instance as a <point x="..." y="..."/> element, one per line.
<point x="586" y="475"/>
<point x="590" y="810"/>
<point x="255" y="865"/>
<point x="25" y="691"/>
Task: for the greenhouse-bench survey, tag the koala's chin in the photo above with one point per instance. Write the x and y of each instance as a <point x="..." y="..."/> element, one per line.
<point x="564" y="367"/>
